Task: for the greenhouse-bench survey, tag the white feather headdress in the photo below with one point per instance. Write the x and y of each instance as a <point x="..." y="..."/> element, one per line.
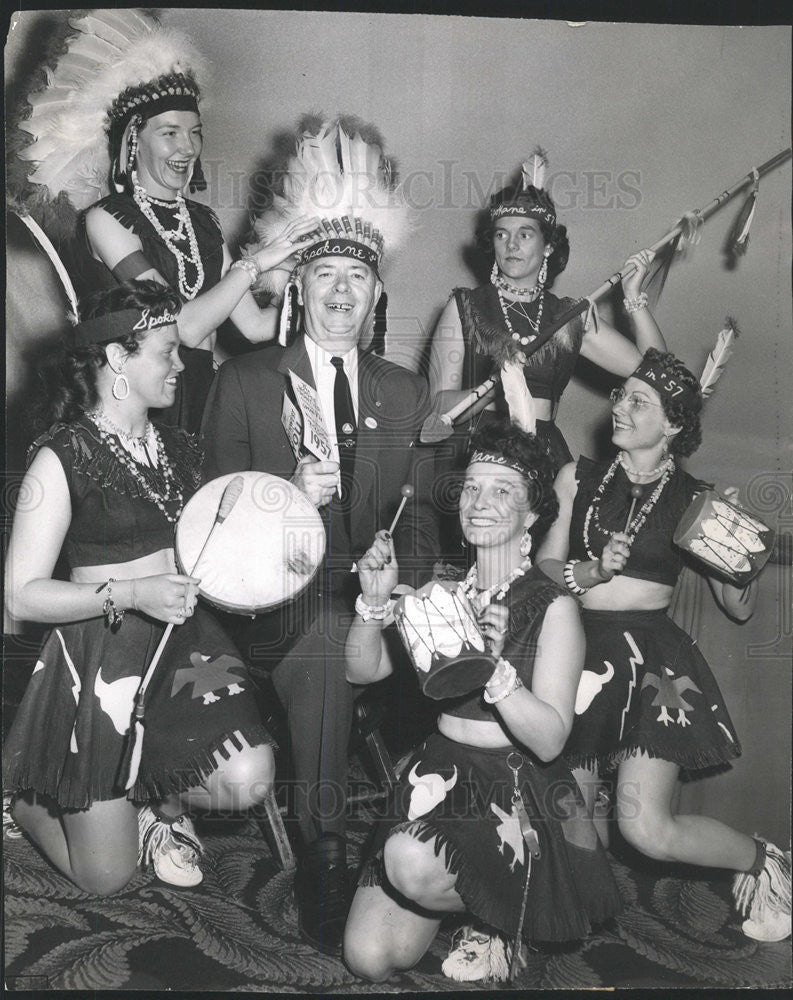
<point x="346" y="180"/>
<point x="110" y="52"/>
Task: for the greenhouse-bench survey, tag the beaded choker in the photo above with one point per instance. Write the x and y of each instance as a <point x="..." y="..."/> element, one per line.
<point x="523" y="293"/>
<point x="632" y="529"/>
<point x="650" y="474"/>
<point x="184" y="231"/>
<point x="479" y="599"/>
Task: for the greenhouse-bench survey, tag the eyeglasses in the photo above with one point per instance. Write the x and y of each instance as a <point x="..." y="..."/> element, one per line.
<point x="633" y="402"/>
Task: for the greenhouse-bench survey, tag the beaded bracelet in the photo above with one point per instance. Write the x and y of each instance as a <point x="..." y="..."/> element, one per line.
<point x="637" y="304"/>
<point x="507" y="684"/>
<point x="569" y="578"/>
<point x="375" y="612"/>
<point x="249" y="265"/>
<point x="114" y="616"/>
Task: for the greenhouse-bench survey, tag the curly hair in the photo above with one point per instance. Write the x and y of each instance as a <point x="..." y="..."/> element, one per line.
<point x="509" y="440"/>
<point x="69" y="377"/>
<point x="682" y="415"/>
<point x="554" y="235"/>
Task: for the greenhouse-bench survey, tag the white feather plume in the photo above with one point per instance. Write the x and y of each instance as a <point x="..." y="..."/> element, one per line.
<point x="534" y="168"/>
<point x="334" y="174"/>
<point x="718" y="357"/>
<point x="520" y="401"/>
<point x="110" y="51"/>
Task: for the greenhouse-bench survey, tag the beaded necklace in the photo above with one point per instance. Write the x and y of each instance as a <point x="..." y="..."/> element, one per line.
<point x="521" y="293"/>
<point x="143" y="448"/>
<point x="479" y="600"/>
<point x="592" y="514"/>
<point x="184" y="230"/>
<point x="170" y="493"/>
<point x="533" y="324"/>
<point x="650" y="474"/>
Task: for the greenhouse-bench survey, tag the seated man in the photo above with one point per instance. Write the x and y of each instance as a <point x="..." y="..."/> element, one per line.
<point x="373" y="411"/>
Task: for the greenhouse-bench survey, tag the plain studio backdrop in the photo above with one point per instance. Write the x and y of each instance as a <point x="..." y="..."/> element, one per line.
<point x="641" y="123"/>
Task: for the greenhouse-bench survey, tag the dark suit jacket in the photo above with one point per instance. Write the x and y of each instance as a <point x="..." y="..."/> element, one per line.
<point x="242" y="430"/>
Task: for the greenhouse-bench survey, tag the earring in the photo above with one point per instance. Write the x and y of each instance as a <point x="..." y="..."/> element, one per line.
<point x="494" y="273"/>
<point x="119" y="381"/>
<point x="542" y="277"/>
<point x="132" y="147"/>
<point x="525" y="543"/>
<point x="463" y="543"/>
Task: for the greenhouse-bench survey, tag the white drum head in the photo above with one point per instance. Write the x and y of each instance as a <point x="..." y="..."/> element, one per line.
<point x="264" y="553"/>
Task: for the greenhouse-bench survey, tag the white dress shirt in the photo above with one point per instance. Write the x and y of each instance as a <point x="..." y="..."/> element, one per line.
<point x="325" y="381"/>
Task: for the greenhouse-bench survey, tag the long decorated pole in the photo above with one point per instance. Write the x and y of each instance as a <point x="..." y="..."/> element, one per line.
<point x="439" y="425"/>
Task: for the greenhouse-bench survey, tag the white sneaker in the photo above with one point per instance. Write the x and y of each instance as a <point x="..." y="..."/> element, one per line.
<point x="170" y="846"/>
<point x="477" y="956"/>
<point x="764" y="899"/>
<point x="10" y="829"/>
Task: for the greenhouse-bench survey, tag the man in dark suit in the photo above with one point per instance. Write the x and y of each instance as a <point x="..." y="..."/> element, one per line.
<point x="373" y="411"/>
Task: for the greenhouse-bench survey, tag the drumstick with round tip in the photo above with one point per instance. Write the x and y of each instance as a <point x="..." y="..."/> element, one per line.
<point x="231" y="495"/>
<point x="636" y="494"/>
<point x="407" y="492"/>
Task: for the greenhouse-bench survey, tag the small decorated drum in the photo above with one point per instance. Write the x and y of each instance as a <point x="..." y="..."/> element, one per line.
<point x="440" y="632"/>
<point x="725" y="537"/>
<point x="263" y="552"/>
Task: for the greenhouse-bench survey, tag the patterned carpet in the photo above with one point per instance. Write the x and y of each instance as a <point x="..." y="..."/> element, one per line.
<point x="238" y="931"/>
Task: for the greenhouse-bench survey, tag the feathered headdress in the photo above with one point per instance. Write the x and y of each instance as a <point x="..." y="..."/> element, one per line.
<point x="340" y="174"/>
<point x="118" y="64"/>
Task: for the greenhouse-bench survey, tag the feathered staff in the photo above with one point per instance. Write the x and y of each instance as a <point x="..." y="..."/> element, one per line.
<point x="438" y="426"/>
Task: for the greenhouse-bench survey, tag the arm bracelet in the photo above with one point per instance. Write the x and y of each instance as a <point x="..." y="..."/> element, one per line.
<point x="569" y="578"/>
<point x="114" y="616"/>
<point x="637" y="304"/>
<point x="249" y="265"/>
<point x="506" y="684"/>
<point x="375" y="612"/>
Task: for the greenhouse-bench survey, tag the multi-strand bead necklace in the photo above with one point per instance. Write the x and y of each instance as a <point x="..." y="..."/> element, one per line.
<point x="593" y="516"/>
<point x="120" y="444"/>
<point x="183" y="230"/>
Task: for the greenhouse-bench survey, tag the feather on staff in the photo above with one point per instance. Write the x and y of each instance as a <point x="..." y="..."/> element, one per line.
<point x="718" y="357"/>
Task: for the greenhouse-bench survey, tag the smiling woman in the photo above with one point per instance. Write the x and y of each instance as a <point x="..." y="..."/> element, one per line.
<point x="132" y="103"/>
<point x="110" y="486"/>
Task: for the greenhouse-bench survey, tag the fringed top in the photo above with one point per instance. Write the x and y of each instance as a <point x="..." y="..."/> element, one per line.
<point x="527" y="599"/>
<point x="113" y="517"/>
<point x="488" y="342"/>
<point x="653" y="556"/>
<point x="208" y="235"/>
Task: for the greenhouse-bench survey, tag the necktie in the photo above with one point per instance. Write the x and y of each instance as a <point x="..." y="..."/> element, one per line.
<point x="346" y="433"/>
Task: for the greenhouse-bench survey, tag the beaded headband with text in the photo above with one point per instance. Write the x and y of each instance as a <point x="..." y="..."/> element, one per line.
<point x="115" y="325"/>
<point x="666" y="385"/>
<point x="514" y="208"/>
<point x="496" y="458"/>
<point x="345" y="237"/>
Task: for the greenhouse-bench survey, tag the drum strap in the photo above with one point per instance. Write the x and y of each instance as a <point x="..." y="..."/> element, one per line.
<point x="346" y="433"/>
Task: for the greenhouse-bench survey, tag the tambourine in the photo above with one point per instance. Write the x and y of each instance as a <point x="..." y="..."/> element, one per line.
<point x="441" y="634"/>
<point x="263" y="553"/>
<point x="724" y="537"/>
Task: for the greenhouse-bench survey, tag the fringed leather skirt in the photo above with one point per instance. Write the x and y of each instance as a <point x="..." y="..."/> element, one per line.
<point x="461" y="797"/>
<point x="646" y="688"/>
<point x="70" y="735"/>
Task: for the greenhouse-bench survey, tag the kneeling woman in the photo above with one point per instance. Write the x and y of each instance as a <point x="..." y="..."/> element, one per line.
<point x="453" y="839"/>
<point x="107" y="486"/>
<point x="648" y="704"/>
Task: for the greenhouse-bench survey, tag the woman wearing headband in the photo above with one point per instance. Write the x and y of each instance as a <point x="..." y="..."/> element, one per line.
<point x="503" y="322"/>
<point x="648" y="704"/>
<point x="485" y="807"/>
<point x="106" y="485"/>
<point x="132" y="125"/>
